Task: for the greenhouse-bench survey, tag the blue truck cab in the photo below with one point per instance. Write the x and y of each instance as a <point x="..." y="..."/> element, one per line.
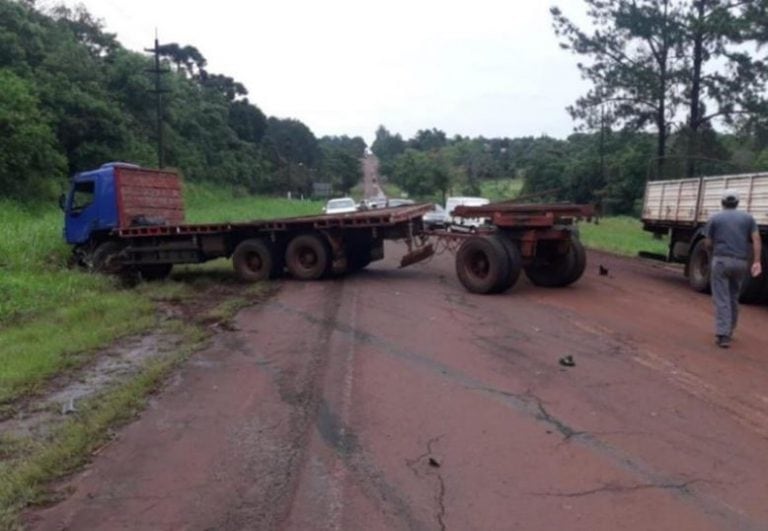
<point x="90" y="206"/>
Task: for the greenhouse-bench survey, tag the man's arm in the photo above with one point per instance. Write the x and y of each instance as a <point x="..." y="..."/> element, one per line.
<point x="757" y="249"/>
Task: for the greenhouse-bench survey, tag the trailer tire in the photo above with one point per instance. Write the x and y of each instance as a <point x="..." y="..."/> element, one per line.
<point x="580" y="262"/>
<point x="308" y="257"/>
<point x="755" y="289"/>
<point x="155" y="271"/>
<point x="482" y="265"/>
<point x="515" y="262"/>
<point x="699" y="267"/>
<point x="561" y="270"/>
<point x="106" y="259"/>
<point x="255" y="260"/>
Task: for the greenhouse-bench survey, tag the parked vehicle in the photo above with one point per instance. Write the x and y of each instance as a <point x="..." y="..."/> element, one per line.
<point x="340" y="206"/>
<point x="680" y="209"/>
<point x="436" y="218"/>
<point x="122" y="218"/>
<point x="464" y="224"/>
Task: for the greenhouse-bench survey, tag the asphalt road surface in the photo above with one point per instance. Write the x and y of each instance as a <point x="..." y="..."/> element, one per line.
<point x="394" y="399"/>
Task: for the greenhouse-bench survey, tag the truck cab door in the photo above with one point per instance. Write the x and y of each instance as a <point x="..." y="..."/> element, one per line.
<point x="82" y="213"/>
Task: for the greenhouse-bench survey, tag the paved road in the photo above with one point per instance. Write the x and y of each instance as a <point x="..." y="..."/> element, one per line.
<point x="396" y="400"/>
<point x="371" y="178"/>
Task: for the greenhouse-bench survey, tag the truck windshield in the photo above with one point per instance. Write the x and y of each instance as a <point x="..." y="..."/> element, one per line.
<point x="82" y="195"/>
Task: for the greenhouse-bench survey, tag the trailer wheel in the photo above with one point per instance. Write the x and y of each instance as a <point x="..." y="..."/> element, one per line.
<point x="308" y="257"/>
<point x="106" y="259"/>
<point x="561" y="269"/>
<point x="698" y="267"/>
<point x="755" y="289"/>
<point x="515" y="262"/>
<point x="482" y="265"/>
<point x="254" y="260"/>
<point x="580" y="260"/>
<point x="155" y="271"/>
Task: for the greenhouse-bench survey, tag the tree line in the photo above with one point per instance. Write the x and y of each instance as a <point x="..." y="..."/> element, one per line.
<point x="72" y="97"/>
<point x="664" y="76"/>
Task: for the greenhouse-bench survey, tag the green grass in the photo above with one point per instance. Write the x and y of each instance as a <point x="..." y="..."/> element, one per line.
<point x="206" y="203"/>
<point x="621" y="235"/>
<point x="501" y="189"/>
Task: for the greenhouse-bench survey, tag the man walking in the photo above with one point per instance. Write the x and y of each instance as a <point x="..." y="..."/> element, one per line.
<point x="728" y="236"/>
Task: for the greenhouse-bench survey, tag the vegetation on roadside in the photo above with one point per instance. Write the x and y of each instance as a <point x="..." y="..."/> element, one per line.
<point x="621" y="235"/>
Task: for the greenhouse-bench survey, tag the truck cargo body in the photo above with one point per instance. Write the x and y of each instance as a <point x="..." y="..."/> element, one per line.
<point x="680" y="210"/>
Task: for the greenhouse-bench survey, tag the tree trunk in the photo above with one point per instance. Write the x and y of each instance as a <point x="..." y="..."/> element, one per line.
<point x="695" y="103"/>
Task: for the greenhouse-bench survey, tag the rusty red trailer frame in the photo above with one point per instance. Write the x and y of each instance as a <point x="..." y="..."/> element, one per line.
<point x="538" y="238"/>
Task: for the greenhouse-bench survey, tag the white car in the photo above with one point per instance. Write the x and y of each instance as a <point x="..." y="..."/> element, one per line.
<point x="342" y="205"/>
<point x="435" y="219"/>
<point x="457" y="223"/>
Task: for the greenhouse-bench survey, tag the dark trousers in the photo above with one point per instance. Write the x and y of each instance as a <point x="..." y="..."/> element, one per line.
<point x="726" y="278"/>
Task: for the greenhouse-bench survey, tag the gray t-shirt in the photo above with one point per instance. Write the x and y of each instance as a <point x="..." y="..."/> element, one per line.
<point x="731" y="233"/>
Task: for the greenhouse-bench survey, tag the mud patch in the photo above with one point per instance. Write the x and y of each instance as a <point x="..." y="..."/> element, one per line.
<point x="37" y="416"/>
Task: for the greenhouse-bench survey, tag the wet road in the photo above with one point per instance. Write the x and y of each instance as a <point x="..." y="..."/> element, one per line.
<point x="394" y="399"/>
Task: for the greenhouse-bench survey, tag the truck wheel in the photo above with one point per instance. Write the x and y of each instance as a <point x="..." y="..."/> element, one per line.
<point x="515" y="262"/>
<point x="106" y="258"/>
<point x="308" y="257"/>
<point x="560" y="270"/>
<point x="482" y="265"/>
<point x="155" y="271"/>
<point x="755" y="289"/>
<point x="698" y="268"/>
<point x="254" y="261"/>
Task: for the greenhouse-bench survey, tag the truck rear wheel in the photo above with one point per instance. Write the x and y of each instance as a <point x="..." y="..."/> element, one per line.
<point x="482" y="265"/>
<point x="254" y="260"/>
<point x="106" y="258"/>
<point x="308" y="257"/>
<point x="515" y="262"/>
<point x="559" y="270"/>
<point x="755" y="289"/>
<point x="698" y="267"/>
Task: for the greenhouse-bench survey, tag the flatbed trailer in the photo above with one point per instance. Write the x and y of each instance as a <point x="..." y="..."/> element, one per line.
<point x="679" y="209"/>
<point x="122" y="218"/>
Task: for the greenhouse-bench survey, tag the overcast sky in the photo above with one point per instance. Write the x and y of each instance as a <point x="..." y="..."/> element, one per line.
<point x="481" y="67"/>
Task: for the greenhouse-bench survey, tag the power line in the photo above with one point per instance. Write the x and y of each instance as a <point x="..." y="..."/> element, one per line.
<point x="158" y="91"/>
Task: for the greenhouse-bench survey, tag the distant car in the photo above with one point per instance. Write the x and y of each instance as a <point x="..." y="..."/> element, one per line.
<point x="400" y="202"/>
<point x="342" y="205"/>
<point x="464" y="224"/>
<point x="435" y="219"/>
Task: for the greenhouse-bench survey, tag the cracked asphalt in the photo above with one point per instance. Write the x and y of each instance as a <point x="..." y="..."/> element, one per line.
<point x="393" y="399"/>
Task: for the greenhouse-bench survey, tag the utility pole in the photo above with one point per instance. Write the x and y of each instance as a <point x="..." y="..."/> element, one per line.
<point x="158" y="91"/>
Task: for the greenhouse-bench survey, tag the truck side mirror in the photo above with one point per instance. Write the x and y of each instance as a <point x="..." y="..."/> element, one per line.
<point x="63" y="202"/>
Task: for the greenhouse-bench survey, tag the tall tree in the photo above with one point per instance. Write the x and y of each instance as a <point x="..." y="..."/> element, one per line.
<point x="634" y="49"/>
<point x="724" y="75"/>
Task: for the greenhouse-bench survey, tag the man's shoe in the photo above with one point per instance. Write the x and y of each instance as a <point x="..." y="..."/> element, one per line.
<point x="723" y="341"/>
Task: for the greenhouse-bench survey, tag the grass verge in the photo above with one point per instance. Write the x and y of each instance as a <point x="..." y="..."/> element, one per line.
<point x="621" y="235"/>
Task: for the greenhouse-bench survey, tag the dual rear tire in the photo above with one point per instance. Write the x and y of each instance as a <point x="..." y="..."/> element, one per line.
<point x="307" y="257"/>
